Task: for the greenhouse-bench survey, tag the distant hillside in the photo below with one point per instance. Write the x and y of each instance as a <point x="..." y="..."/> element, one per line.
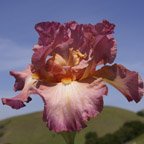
<point x="141" y="113"/>
<point x="29" y="129"/>
<point x="138" y="140"/>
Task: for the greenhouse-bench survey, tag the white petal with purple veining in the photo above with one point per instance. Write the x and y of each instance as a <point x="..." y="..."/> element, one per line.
<point x="67" y="107"/>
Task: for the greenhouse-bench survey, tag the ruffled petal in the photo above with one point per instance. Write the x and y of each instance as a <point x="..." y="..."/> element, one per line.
<point x="105" y="50"/>
<point x="91" y="45"/>
<point x="105" y="27"/>
<point x="51" y="32"/>
<point x="20" y="77"/>
<point x="127" y="82"/>
<point x="53" y="37"/>
<point x="67" y="107"/>
<point x="18" y="101"/>
<point x="99" y="39"/>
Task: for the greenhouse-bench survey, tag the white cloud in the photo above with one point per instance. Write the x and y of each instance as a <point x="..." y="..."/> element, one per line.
<point x="14" y="55"/>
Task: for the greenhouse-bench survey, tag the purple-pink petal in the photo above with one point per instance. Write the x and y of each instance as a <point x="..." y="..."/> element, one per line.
<point x="54" y="37"/>
<point x="18" y="101"/>
<point x="20" y="77"/>
<point x="68" y="107"/>
<point x="129" y="83"/>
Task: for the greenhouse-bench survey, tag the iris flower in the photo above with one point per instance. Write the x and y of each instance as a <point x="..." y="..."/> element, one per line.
<point x="70" y="67"/>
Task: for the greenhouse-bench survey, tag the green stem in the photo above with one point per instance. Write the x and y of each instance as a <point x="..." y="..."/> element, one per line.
<point x="69" y="137"/>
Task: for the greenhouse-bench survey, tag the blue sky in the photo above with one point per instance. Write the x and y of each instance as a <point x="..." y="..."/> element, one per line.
<point x="17" y="37"/>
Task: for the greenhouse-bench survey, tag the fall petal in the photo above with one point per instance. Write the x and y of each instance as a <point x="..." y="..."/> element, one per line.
<point x="18" y="101"/>
<point x="67" y="107"/>
<point x="20" y="77"/>
<point x="127" y="82"/>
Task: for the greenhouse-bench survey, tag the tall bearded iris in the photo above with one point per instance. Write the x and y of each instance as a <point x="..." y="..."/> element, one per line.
<point x="64" y="73"/>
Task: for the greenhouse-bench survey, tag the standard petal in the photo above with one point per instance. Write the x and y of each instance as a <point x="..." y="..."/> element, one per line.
<point x="57" y="37"/>
<point x="105" y="27"/>
<point x="80" y="46"/>
<point x="39" y="56"/>
<point x="46" y="32"/>
<point x="127" y="82"/>
<point x="100" y="40"/>
<point x="18" y="101"/>
<point x="105" y="51"/>
<point x="67" y="107"/>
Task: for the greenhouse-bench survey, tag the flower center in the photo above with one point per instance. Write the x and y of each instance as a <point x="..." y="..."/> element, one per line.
<point x="66" y="81"/>
<point x="35" y="76"/>
<point x="60" y="69"/>
<point x="75" y="56"/>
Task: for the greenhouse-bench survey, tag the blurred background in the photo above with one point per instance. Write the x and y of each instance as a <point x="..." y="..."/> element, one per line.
<point x="17" y="37"/>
